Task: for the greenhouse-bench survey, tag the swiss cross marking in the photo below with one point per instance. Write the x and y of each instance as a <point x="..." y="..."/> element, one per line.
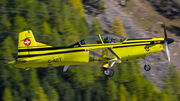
<point x="27" y="42"/>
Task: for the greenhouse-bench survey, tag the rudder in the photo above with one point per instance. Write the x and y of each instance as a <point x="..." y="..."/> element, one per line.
<point x="26" y="42"/>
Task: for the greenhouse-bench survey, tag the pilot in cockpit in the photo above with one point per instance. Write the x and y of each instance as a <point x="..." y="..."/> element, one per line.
<point x="113" y="40"/>
<point x="82" y="42"/>
<point x="106" y="40"/>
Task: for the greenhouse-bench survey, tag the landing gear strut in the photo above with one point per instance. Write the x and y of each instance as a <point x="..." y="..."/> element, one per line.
<point x="147" y="67"/>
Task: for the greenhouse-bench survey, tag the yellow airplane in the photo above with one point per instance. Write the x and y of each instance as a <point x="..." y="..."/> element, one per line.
<point x="107" y="49"/>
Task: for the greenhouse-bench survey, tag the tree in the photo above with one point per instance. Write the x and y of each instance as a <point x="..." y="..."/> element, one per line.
<point x="171" y="88"/>
<point x="5" y="23"/>
<point x="116" y="27"/>
<point x="40" y="95"/>
<point x="44" y="11"/>
<point x="46" y="31"/>
<point x="19" y="24"/>
<point x="7" y="95"/>
<point x="97" y="92"/>
<point x="70" y="34"/>
<point x="52" y="95"/>
<point x="111" y="91"/>
<point x="134" y="98"/>
<point x="123" y="94"/>
<point x="76" y="7"/>
<point x="96" y="27"/>
<point x="36" y="92"/>
<point x="8" y="48"/>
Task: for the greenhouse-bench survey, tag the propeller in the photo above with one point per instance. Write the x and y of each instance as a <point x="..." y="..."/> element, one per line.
<point x="167" y="41"/>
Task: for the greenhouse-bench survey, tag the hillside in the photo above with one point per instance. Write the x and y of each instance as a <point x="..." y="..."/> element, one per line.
<point x="63" y="22"/>
<point x="143" y="20"/>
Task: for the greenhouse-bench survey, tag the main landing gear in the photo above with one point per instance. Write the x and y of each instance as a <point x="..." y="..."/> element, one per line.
<point x="108" y="72"/>
<point x="107" y="69"/>
<point x="147" y="67"/>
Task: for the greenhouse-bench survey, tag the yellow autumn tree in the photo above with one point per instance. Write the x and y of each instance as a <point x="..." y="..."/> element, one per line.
<point x="77" y="6"/>
<point x="7" y="95"/>
<point x="116" y="27"/>
<point x="40" y="95"/>
<point x="35" y="90"/>
<point x="123" y="93"/>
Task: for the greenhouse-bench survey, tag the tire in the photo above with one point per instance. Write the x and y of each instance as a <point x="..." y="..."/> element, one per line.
<point x="111" y="73"/>
<point x="147" y="67"/>
<point x="106" y="71"/>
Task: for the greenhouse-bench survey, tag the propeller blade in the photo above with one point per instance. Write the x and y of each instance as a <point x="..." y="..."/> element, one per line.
<point x="165" y="34"/>
<point x="167" y="50"/>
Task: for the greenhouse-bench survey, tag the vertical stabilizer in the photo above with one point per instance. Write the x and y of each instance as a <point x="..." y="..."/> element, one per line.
<point x="26" y="41"/>
<point x="27" y="45"/>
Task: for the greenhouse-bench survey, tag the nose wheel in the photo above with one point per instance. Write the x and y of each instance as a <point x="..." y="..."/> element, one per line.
<point x="147" y="67"/>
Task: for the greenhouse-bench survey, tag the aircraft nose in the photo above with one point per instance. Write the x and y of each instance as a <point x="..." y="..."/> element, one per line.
<point x="169" y="40"/>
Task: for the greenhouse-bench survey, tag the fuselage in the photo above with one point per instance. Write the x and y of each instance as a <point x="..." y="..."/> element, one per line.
<point x="79" y="53"/>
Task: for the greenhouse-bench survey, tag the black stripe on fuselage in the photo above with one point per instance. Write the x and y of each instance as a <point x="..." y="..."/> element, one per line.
<point x="139" y="39"/>
<point x="25" y="56"/>
<point x="42" y="49"/>
<point x="136" y="42"/>
<point x="129" y="46"/>
<point x="56" y="48"/>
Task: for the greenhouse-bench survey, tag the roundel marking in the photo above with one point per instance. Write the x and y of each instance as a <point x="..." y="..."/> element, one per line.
<point x="27" y="42"/>
<point x="147" y="49"/>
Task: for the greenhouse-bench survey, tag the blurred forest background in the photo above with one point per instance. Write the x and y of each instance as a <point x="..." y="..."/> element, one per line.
<point x="63" y="22"/>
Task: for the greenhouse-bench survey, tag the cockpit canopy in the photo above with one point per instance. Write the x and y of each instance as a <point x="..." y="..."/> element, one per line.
<point x="106" y="38"/>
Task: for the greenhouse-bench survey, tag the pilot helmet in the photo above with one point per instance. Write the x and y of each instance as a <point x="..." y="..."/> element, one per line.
<point x="113" y="40"/>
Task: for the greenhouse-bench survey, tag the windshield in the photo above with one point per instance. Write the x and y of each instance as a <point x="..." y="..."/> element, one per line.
<point x="92" y="39"/>
<point x="112" y="38"/>
<point x="106" y="38"/>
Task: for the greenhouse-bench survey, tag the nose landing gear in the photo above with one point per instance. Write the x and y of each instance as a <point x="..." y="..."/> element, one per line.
<point x="147" y="67"/>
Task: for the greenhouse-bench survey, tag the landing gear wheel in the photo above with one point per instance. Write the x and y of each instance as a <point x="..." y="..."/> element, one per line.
<point x="147" y="67"/>
<point x="108" y="72"/>
<point x="111" y="73"/>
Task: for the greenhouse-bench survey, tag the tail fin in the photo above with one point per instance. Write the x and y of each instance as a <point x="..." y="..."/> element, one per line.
<point x="27" y="42"/>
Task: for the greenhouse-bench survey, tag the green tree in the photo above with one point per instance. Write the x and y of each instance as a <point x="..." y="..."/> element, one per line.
<point x="96" y="27"/>
<point x="171" y="88"/>
<point x="111" y="90"/>
<point x="3" y="3"/>
<point x="70" y="34"/>
<point x="44" y="11"/>
<point x="19" y="24"/>
<point x="5" y="23"/>
<point x="83" y="75"/>
<point x="97" y="92"/>
<point x="36" y="92"/>
<point x="46" y="32"/>
<point x="8" y="48"/>
<point x="7" y="95"/>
